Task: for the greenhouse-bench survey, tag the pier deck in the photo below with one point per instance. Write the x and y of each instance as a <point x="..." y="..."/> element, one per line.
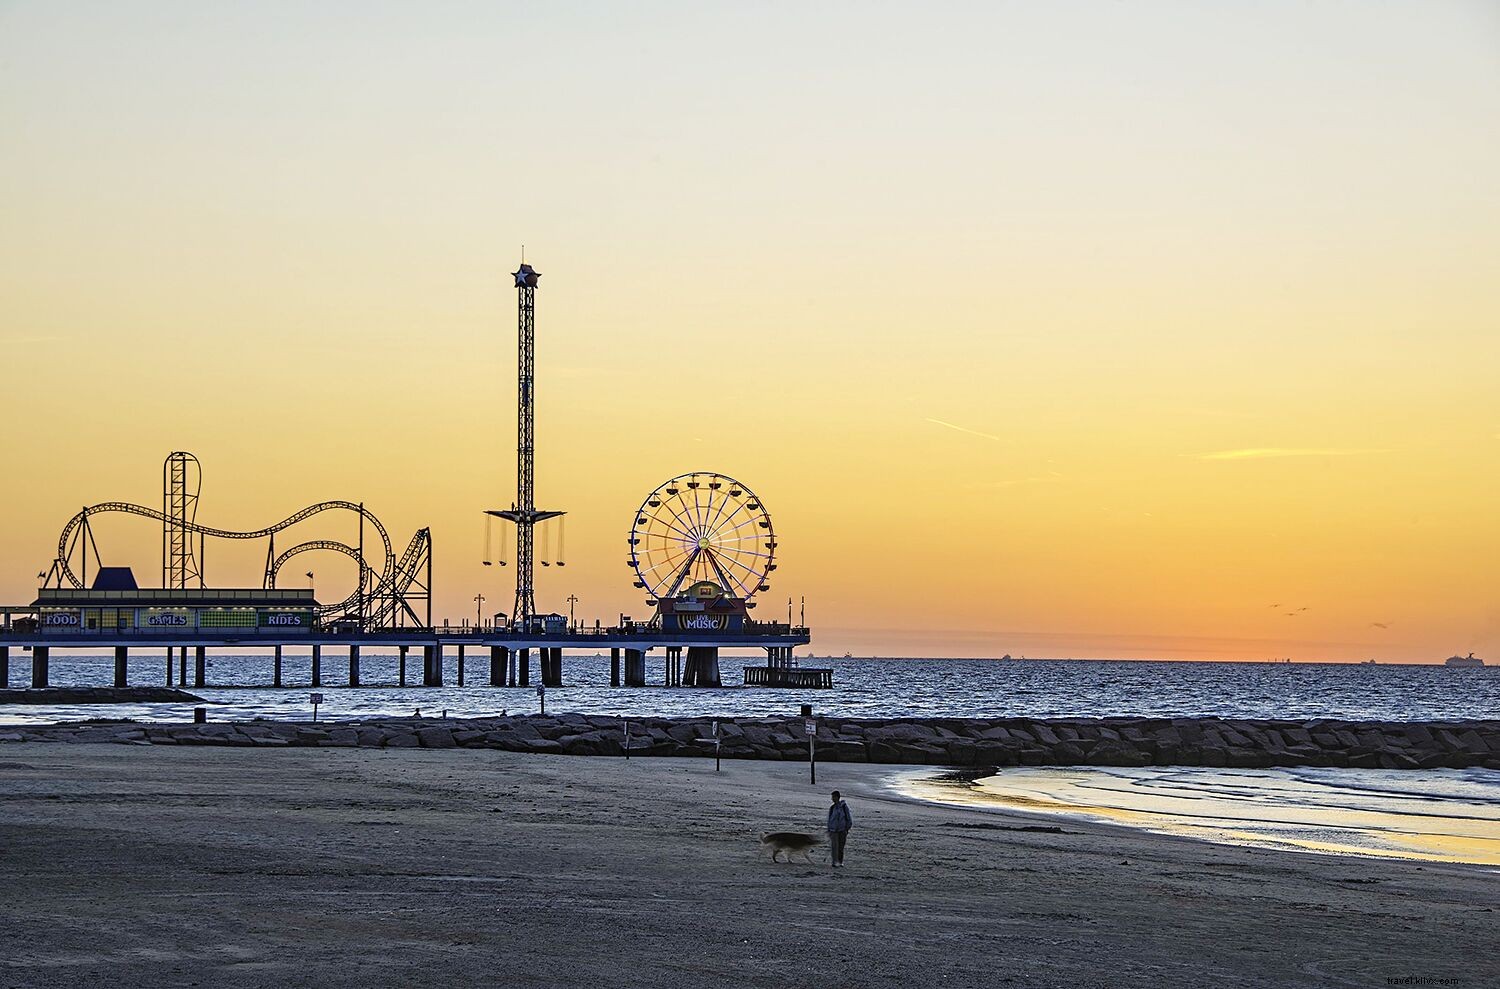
<point x="509" y="650"/>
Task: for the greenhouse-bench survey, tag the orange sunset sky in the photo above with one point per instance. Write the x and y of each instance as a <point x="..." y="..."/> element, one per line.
<point x="1074" y="329"/>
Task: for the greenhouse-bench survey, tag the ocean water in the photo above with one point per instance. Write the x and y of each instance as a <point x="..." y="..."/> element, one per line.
<point x="1449" y="815"/>
<point x="240" y="687"/>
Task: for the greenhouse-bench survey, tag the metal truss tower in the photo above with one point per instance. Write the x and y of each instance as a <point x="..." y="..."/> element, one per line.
<point x="524" y="512"/>
<point x="182" y="478"/>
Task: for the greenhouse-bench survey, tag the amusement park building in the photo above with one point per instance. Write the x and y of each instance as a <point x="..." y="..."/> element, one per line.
<point x="83" y="610"/>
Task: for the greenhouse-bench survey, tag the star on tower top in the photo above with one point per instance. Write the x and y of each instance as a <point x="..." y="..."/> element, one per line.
<point x="526" y="276"/>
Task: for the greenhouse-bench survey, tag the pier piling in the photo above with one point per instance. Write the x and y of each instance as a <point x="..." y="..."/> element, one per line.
<point x="551" y="667"/>
<point x="182" y="666"/>
<point x="432" y="665"/>
<point x="703" y="666"/>
<point x="121" y="655"/>
<point x="614" y="667"/>
<point x="354" y="666"/>
<point x="317" y="665"/>
<point x="523" y="667"/>
<point x="4" y="667"/>
<point x="401" y="667"/>
<point x="497" y="666"/>
<point x="39" y="657"/>
<point x="635" y="667"/>
<point x="276" y="668"/>
<point x="461" y="650"/>
<point x="200" y="665"/>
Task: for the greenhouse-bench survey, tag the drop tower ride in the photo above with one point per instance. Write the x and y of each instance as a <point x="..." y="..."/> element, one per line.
<point x="523" y="512"/>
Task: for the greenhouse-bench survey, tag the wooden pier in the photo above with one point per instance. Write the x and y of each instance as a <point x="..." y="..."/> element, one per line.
<point x="691" y="657"/>
<point x="781" y="676"/>
<point x="781" y="670"/>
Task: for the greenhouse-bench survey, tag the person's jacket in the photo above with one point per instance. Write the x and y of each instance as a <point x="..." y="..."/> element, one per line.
<point x="838" y="817"/>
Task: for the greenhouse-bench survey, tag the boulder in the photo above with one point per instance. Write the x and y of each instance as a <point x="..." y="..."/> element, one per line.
<point x="436" y="738"/>
<point x="989" y="753"/>
<point x="1116" y="752"/>
<point x="687" y="732"/>
<point x="961" y="751"/>
<point x="1045" y="735"/>
<point x="592" y="743"/>
<point x="1070" y="753"/>
<point x="837" y="750"/>
<point x="1248" y="757"/>
<point x="901" y="732"/>
<point x="1213" y="755"/>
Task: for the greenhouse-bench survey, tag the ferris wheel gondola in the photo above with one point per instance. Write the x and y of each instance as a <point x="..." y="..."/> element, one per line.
<point x="702" y="527"/>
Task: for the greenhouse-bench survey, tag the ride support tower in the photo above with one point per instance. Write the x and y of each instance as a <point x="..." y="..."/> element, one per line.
<point x="523" y="512"/>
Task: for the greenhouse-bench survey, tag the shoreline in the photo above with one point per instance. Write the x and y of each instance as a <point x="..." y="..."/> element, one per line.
<point x="1268" y="809"/>
<point x="162" y="865"/>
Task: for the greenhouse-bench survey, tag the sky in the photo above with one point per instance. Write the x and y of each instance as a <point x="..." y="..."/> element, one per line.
<point x="1079" y="329"/>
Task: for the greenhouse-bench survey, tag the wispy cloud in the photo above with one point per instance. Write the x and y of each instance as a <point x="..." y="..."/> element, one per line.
<point x="1271" y="452"/>
<point x="1010" y="482"/>
<point x="963" y="429"/>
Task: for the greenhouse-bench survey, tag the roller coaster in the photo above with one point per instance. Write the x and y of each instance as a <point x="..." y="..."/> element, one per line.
<point x="384" y="598"/>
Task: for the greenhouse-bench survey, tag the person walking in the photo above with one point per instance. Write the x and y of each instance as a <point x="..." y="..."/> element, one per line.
<point x="839" y="823"/>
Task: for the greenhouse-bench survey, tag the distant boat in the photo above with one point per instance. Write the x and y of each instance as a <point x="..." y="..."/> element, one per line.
<point x="1463" y="661"/>
<point x="1368" y="662"/>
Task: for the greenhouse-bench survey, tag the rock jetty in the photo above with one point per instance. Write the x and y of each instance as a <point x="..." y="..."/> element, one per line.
<point x="99" y="695"/>
<point x="909" y="741"/>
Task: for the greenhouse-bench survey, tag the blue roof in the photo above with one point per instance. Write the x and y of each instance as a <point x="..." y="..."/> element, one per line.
<point x="115" y="579"/>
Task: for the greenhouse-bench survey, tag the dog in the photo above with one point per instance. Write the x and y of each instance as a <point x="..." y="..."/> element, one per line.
<point x="791" y="842"/>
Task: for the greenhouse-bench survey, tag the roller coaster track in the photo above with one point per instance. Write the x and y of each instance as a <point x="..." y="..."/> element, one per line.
<point x="384" y="597"/>
<point x="418" y="551"/>
<point x="383" y="591"/>
<point x="352" y="602"/>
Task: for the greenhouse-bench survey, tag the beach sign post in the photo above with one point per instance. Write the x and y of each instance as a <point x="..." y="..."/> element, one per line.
<point x="811" y="727"/>
<point x="716" y="746"/>
<point x="316" y="700"/>
<point x="541" y="697"/>
<point x="627" y="738"/>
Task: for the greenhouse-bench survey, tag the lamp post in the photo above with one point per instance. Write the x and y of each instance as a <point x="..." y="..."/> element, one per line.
<point x="478" y="610"/>
<point x="572" y="600"/>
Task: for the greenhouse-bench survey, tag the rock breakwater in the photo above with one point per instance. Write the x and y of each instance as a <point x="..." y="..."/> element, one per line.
<point x="44" y="696"/>
<point x="1215" y="742"/>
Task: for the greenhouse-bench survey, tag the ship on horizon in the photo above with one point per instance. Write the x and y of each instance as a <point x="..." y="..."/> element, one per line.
<point x="1464" y="661"/>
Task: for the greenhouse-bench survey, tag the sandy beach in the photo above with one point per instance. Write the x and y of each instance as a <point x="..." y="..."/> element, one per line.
<point x="159" y="866"/>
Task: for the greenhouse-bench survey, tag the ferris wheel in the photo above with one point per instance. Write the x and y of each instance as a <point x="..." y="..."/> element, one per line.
<point x="699" y="527"/>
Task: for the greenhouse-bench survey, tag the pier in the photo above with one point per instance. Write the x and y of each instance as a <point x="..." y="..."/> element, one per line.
<point x="64" y="620"/>
<point x="701" y="547"/>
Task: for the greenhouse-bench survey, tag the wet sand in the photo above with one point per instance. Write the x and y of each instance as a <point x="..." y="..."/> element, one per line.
<point x="159" y="866"/>
<point x="1440" y="815"/>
